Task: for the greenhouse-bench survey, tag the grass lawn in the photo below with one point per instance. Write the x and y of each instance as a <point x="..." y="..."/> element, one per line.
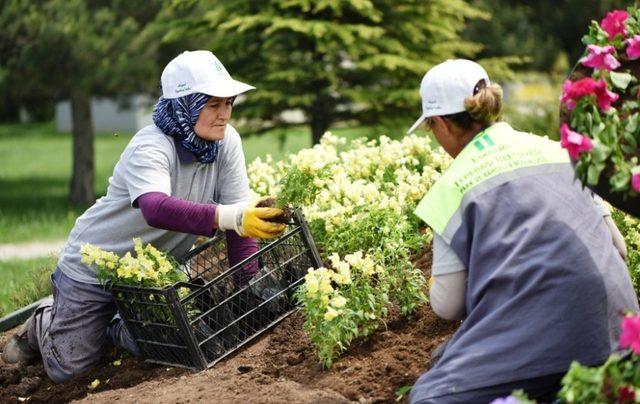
<point x="36" y="168"/>
<point x="24" y="282"/>
<point x="34" y="181"/>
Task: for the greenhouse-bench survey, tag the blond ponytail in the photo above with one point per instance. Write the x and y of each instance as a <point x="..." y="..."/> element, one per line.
<point x="485" y="106"/>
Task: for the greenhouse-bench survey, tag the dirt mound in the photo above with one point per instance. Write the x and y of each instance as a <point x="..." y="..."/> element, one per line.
<point x="32" y="382"/>
<point x="279" y="367"/>
<point x="371" y="370"/>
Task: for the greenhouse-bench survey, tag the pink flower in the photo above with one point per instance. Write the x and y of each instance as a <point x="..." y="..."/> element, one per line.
<point x="573" y="91"/>
<point x="613" y="23"/>
<point x="601" y="57"/>
<point x="635" y="179"/>
<point x="604" y="97"/>
<point x="633" y="47"/>
<point x="626" y="394"/>
<point x="630" y="337"/>
<point x="574" y="142"/>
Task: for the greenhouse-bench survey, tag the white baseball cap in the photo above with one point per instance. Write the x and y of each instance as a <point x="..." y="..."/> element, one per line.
<point x="199" y="72"/>
<point x="445" y="86"/>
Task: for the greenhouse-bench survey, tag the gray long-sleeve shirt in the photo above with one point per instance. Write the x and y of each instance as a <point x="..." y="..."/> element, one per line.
<point x="151" y="163"/>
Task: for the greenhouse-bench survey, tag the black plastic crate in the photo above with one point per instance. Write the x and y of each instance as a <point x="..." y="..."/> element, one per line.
<point x="217" y="316"/>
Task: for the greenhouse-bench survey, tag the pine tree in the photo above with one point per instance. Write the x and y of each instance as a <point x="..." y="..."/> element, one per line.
<point x="336" y="60"/>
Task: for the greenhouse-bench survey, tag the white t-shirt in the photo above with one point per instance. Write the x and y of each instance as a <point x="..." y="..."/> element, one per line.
<point x="152" y="163"/>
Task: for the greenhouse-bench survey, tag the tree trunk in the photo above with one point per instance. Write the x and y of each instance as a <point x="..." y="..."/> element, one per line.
<point x="320" y="118"/>
<point x="81" y="192"/>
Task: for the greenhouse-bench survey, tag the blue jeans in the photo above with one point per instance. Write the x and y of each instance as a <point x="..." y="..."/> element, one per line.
<point x="73" y="329"/>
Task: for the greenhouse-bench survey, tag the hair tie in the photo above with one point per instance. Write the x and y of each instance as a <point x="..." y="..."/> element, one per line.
<point x="481" y="84"/>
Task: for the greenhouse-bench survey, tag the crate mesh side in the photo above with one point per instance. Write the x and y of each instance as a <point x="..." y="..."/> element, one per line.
<point x="152" y="324"/>
<point x="226" y="315"/>
<point x="209" y="263"/>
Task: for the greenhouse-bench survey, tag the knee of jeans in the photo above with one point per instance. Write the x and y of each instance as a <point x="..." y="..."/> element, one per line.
<point x="55" y="372"/>
<point x="60" y="368"/>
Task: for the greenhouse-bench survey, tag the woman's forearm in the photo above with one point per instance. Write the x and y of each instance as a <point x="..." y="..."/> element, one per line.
<point x="175" y="214"/>
<point x="447" y="293"/>
<point x="170" y="213"/>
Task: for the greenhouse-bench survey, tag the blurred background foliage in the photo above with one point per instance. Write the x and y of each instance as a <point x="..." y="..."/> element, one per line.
<point x="541" y="30"/>
<point x="548" y="35"/>
<point x="336" y="63"/>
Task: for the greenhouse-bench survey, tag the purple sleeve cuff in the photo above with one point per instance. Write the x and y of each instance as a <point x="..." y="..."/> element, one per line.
<point x="239" y="248"/>
<point x="170" y="213"/>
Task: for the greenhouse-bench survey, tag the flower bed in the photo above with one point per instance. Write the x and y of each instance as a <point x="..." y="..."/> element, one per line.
<point x="359" y="200"/>
<point x="283" y="365"/>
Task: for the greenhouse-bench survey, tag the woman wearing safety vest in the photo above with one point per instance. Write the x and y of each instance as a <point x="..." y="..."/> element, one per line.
<point x="521" y="252"/>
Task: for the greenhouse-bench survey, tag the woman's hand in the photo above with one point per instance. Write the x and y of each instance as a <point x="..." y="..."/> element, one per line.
<point x="255" y="223"/>
<point x="249" y="221"/>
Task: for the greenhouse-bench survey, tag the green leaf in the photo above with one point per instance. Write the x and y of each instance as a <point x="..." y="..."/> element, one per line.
<point x="620" y="181"/>
<point x="597" y="129"/>
<point x="620" y="80"/>
<point x="589" y="119"/>
<point x="600" y="152"/>
<point x="611" y="135"/>
<point x="631" y="105"/>
<point x="632" y="123"/>
<point x="402" y="392"/>
<point x="631" y="140"/>
<point x="593" y="173"/>
<point x="628" y="149"/>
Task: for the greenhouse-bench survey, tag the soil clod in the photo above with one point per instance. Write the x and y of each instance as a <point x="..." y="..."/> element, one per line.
<point x="245" y="368"/>
<point x="270" y="202"/>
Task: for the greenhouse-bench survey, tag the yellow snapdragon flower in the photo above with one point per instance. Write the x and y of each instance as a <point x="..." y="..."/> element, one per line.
<point x="342" y="276"/>
<point x="338" y="301"/>
<point x="125" y="272"/>
<point x="354" y="259"/>
<point x="137" y="246"/>
<point x="183" y="292"/>
<point x="325" y="285"/>
<point x="331" y="313"/>
<point x="312" y="284"/>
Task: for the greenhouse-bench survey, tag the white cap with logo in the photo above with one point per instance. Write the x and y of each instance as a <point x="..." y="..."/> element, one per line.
<point x="199" y="72"/>
<point x="445" y="87"/>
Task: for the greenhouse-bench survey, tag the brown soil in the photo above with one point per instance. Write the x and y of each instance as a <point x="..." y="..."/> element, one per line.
<point x="279" y="367"/>
<point x="31" y="381"/>
<point x="270" y="202"/>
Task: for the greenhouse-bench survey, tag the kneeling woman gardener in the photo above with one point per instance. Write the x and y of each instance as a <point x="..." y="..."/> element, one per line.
<point x="181" y="177"/>
<point x="520" y="251"/>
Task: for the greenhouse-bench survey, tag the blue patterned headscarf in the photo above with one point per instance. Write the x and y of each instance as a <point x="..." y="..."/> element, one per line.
<point x="177" y="117"/>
